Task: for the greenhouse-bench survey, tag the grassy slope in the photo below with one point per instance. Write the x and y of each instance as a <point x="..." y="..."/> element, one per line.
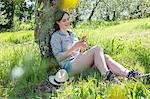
<point x="127" y="42"/>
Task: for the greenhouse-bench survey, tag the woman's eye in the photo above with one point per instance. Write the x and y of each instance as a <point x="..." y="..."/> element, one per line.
<point x="68" y="19"/>
<point x="64" y="20"/>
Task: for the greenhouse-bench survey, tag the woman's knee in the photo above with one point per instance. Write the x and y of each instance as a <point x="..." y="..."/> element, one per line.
<point x="107" y="57"/>
<point x="98" y="48"/>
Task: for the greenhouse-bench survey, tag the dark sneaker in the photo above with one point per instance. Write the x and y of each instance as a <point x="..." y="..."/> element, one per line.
<point x="133" y="74"/>
<point x="146" y="76"/>
<point x="111" y="77"/>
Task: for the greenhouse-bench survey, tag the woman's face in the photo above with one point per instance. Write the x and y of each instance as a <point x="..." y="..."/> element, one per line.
<point x="64" y="23"/>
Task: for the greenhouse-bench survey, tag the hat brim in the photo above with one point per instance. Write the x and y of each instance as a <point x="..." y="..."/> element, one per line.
<point x="52" y="81"/>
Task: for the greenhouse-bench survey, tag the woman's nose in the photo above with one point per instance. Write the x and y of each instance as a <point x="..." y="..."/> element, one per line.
<point x="67" y="21"/>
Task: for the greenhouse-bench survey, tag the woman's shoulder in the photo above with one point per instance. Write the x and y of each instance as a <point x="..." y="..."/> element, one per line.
<point x="60" y="34"/>
<point x="55" y="34"/>
<point x="72" y="33"/>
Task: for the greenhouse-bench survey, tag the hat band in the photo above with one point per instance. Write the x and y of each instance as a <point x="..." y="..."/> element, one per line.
<point x="59" y="82"/>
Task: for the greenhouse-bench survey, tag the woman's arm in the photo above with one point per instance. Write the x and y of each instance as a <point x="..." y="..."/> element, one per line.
<point x="57" y="47"/>
<point x="78" y="45"/>
<point x="64" y="55"/>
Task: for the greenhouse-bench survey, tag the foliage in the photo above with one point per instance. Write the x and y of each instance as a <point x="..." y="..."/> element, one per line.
<point x="25" y="11"/>
<point x="15" y="9"/>
<point x="102" y="10"/>
<point x="97" y="24"/>
<point x="16" y="2"/>
<point x="3" y="18"/>
<point x="7" y="11"/>
<point x="113" y="9"/>
<point x="124" y="42"/>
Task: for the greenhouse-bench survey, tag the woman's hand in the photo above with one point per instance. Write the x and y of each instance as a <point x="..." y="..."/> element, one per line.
<point x="80" y="45"/>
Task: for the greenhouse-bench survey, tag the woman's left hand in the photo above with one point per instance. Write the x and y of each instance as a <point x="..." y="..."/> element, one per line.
<point x="83" y="48"/>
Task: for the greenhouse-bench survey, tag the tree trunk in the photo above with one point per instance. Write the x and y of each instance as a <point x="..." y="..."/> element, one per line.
<point x="114" y="16"/>
<point x="93" y="10"/>
<point x="77" y="18"/>
<point x="44" y="19"/>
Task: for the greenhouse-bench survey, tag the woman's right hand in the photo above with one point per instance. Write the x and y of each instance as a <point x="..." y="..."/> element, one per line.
<point x="80" y="44"/>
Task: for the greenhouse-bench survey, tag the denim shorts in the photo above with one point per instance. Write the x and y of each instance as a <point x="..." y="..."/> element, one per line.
<point x="68" y="66"/>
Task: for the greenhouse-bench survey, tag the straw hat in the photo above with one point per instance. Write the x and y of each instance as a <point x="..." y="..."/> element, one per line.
<point x="60" y="77"/>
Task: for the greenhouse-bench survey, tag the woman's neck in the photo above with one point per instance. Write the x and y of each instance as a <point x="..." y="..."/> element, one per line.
<point x="64" y="30"/>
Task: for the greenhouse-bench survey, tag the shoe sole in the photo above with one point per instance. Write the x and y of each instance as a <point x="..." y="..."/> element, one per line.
<point x="145" y="75"/>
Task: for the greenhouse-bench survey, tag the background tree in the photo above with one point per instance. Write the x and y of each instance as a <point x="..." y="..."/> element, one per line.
<point x="76" y="17"/>
<point x="94" y="8"/>
<point x="15" y="11"/>
<point x="3" y="15"/>
<point x="112" y="9"/>
<point x="7" y="10"/>
<point x="25" y="11"/>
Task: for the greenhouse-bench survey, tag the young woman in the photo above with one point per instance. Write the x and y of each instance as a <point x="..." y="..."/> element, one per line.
<point x="68" y="51"/>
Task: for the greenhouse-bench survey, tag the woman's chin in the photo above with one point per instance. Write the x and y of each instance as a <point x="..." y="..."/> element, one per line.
<point x="67" y="28"/>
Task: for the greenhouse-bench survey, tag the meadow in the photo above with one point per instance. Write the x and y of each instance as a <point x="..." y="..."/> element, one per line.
<point x="127" y="42"/>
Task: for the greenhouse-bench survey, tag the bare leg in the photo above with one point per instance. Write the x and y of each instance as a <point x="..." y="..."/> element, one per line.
<point x="115" y="67"/>
<point x="94" y="55"/>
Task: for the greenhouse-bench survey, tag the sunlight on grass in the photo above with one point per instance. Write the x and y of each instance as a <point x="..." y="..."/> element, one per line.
<point x="125" y="41"/>
<point x="16" y="37"/>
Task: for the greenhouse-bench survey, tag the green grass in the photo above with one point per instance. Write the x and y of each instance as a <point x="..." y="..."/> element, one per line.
<point x="125" y="41"/>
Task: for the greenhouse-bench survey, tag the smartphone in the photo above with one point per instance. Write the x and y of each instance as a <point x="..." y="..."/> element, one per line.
<point x="83" y="38"/>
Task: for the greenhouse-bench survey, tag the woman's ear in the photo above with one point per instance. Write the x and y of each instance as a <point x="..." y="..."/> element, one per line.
<point x="57" y="22"/>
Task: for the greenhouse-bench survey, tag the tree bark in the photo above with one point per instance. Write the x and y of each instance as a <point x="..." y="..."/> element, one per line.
<point x="44" y="23"/>
<point x="44" y="19"/>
